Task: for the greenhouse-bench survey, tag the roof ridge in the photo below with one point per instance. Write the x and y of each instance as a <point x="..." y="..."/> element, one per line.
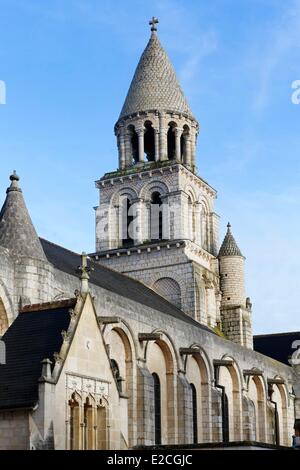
<point x="157" y="302"/>
<point x="60" y="246"/>
<point x="277" y="334"/>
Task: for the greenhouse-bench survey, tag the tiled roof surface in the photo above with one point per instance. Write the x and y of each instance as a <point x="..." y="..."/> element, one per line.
<point x="155" y="85"/>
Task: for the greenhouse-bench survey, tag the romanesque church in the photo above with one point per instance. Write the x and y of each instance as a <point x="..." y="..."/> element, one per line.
<point x="148" y="340"/>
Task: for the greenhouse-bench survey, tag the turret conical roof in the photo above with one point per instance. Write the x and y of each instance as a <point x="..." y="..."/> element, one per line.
<point x="229" y="246"/>
<point x="17" y="232"/>
<point x="155" y="85"/>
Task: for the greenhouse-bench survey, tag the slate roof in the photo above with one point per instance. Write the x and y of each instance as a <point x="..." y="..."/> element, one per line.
<point x="229" y="246"/>
<point x="278" y="345"/>
<point x="17" y="232"/>
<point x="121" y="284"/>
<point x="34" y="335"/>
<point x="155" y="85"/>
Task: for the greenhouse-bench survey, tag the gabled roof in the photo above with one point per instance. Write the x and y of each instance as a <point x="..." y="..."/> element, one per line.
<point x="155" y="85"/>
<point x="33" y="336"/>
<point x="121" y="284"/>
<point x="17" y="232"/>
<point x="279" y="346"/>
<point x="229" y="246"/>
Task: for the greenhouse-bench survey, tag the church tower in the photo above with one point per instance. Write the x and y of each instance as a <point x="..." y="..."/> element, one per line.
<point x="156" y="220"/>
<point x="235" y="307"/>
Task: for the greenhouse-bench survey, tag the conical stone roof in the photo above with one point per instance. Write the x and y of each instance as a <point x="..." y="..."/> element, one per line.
<point x="17" y="232"/>
<point x="155" y="85"/>
<point x="229" y="246"/>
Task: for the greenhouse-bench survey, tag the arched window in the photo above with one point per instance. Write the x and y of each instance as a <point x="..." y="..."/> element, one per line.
<point x="157" y="408"/>
<point x="74" y="424"/>
<point x="171" y="141"/>
<point x="156" y="217"/>
<point x="149" y="143"/>
<point x="116" y="372"/>
<point x="134" y="141"/>
<point x="127" y="219"/>
<point x="194" y="413"/>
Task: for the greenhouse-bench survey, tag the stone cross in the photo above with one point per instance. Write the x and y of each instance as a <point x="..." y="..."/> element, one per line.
<point x="154" y="21"/>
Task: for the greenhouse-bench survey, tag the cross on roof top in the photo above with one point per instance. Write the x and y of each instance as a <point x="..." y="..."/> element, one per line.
<point x="153" y="22"/>
<point x="84" y="271"/>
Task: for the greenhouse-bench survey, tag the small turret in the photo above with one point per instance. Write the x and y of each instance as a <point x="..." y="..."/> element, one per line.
<point x="32" y="274"/>
<point x="232" y="267"/>
<point x="235" y="307"/>
<point x="17" y="232"/>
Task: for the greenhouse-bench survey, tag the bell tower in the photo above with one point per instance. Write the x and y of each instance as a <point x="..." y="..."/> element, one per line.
<point x="156" y="220"/>
<point x="156" y="124"/>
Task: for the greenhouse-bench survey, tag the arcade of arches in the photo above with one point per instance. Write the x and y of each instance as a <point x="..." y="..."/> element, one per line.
<point x="250" y="414"/>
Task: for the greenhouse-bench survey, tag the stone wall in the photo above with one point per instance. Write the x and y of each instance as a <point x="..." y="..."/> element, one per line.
<point x="14" y="430"/>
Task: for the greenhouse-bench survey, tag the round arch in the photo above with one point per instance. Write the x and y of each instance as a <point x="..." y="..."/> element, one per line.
<point x="199" y="372"/>
<point x="258" y="395"/>
<point x="126" y="192"/>
<point x="130" y="355"/>
<point x="153" y="186"/>
<point x="161" y="359"/>
<point x="232" y="379"/>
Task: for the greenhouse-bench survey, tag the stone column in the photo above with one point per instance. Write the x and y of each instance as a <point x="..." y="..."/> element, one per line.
<point x="193" y="146"/>
<point x="137" y="212"/>
<point x="163" y="130"/>
<point x="188" y="151"/>
<point x="128" y="149"/>
<point x="197" y="215"/>
<point x="156" y="144"/>
<point x="145" y="407"/>
<point x="141" y="133"/>
<point x="178" y="134"/>
<point x="185" y="412"/>
<point x="122" y="153"/>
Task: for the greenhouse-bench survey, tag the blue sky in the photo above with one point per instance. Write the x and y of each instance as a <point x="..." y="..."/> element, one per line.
<point x="67" y="65"/>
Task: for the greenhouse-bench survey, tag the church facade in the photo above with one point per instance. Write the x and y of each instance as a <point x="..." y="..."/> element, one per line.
<point x="155" y="347"/>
